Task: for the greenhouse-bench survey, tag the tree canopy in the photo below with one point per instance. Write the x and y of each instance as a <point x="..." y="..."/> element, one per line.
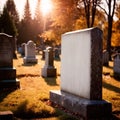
<point x="67" y="15"/>
<point x="7" y="24"/>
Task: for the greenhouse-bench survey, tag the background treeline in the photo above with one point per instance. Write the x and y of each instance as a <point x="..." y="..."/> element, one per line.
<point x="67" y="15"/>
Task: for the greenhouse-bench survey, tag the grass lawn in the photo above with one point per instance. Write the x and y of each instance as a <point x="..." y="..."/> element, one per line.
<point x="32" y="99"/>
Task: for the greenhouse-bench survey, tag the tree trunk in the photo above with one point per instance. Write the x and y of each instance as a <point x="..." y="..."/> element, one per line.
<point x="110" y="19"/>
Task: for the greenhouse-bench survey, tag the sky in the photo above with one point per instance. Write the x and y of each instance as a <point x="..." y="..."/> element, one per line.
<point x="20" y="4"/>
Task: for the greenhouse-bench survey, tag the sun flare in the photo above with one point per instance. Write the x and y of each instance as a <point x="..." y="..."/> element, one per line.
<point x="46" y="6"/>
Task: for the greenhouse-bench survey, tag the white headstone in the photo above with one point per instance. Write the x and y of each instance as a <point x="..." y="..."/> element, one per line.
<point x="30" y="56"/>
<point x="78" y="61"/>
<point x="49" y="70"/>
<point x="81" y="75"/>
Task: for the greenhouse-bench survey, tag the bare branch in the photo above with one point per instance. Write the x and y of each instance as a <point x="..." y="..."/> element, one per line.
<point x="103" y="9"/>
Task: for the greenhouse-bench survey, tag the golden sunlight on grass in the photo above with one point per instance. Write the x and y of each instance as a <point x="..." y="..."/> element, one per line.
<point x="111" y="89"/>
<point x="32" y="99"/>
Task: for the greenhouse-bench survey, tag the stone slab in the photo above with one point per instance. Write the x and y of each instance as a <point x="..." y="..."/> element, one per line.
<point x="6" y="50"/>
<point x="30" y="60"/>
<point x="7" y="73"/>
<point x="81" y="63"/>
<point x="48" y="72"/>
<point x="6" y="115"/>
<point x="85" y="108"/>
<point x="15" y="83"/>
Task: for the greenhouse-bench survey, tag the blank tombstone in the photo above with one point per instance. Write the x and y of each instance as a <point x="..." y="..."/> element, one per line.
<point x="81" y="75"/>
<point x="30" y="55"/>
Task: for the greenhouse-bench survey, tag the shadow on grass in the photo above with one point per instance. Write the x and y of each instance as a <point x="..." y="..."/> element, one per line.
<point x="111" y="87"/>
<point x="23" y="112"/>
<point x="51" y="81"/>
<point x="5" y="92"/>
<point x="27" y="75"/>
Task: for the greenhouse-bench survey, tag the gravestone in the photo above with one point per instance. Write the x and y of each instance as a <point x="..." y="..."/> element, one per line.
<point x="6" y="115"/>
<point x="14" y="40"/>
<point x="7" y="72"/>
<point x="49" y="70"/>
<point x="23" y="49"/>
<point x="116" y="65"/>
<point x="56" y="54"/>
<point x="30" y="56"/>
<point x="81" y="75"/>
<point x="105" y="58"/>
<point x="43" y="55"/>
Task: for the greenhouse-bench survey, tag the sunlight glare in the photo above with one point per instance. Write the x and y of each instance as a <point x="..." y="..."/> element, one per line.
<point x="46" y="6"/>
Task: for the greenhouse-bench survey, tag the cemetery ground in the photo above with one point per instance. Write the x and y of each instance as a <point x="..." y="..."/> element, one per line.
<point x="31" y="101"/>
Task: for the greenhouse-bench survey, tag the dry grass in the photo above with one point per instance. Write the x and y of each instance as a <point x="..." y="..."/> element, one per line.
<point x="111" y="89"/>
<point x="30" y="101"/>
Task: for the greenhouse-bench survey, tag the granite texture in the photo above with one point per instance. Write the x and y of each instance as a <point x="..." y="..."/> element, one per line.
<point x="49" y="70"/>
<point x="96" y="64"/>
<point x="84" y="108"/>
<point x="6" y="115"/>
<point x="7" y="72"/>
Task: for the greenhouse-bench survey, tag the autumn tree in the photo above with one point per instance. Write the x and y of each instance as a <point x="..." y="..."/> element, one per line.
<point x="63" y="19"/>
<point x="90" y="7"/>
<point x="116" y="28"/>
<point x="25" y="28"/>
<point x="11" y="7"/>
<point x="109" y="10"/>
<point x="6" y="23"/>
<point x="38" y="19"/>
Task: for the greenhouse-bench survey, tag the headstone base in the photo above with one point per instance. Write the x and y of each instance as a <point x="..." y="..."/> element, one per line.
<point x="48" y="72"/>
<point x="6" y="115"/>
<point x="84" y="108"/>
<point x="29" y="60"/>
<point x="13" y="84"/>
<point x="8" y="78"/>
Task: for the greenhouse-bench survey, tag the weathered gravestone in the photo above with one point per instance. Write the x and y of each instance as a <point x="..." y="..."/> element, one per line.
<point x="105" y="58"/>
<point x="14" y="40"/>
<point x="30" y="56"/>
<point x="56" y="54"/>
<point x="7" y="72"/>
<point x="116" y="65"/>
<point x="6" y="115"/>
<point x="43" y="55"/>
<point x="23" y="49"/>
<point x="81" y="75"/>
<point x="49" y="70"/>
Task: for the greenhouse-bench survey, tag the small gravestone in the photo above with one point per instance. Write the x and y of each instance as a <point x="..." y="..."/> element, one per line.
<point x="49" y="70"/>
<point x="14" y="40"/>
<point x="23" y="49"/>
<point x="30" y="56"/>
<point x="105" y="58"/>
<point x="81" y="75"/>
<point x="116" y="65"/>
<point x="56" y="54"/>
<point x="43" y="55"/>
<point x="7" y="72"/>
